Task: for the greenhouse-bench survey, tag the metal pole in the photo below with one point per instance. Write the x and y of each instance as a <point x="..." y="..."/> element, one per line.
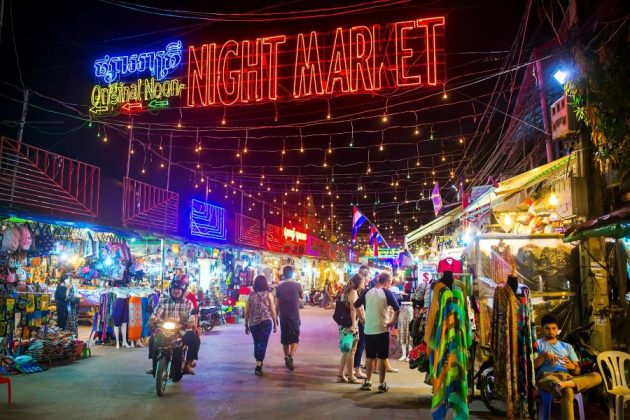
<point x="544" y="108"/>
<point x="163" y="240"/>
<point x="20" y="133"/>
<point x="1" y="18"/>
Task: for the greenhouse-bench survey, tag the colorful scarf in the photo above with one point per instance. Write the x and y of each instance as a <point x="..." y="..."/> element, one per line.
<point x="134" y="327"/>
<point x="512" y="350"/>
<point x="448" y="362"/>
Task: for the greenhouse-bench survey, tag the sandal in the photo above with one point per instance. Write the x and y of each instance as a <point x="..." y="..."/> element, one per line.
<point x="342" y="379"/>
<point x="354" y="380"/>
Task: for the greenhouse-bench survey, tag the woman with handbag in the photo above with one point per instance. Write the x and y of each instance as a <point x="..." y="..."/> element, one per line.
<point x="260" y="318"/>
<point x="346" y="318"/>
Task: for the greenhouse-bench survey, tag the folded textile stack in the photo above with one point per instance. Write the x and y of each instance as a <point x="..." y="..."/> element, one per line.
<point x="36" y="350"/>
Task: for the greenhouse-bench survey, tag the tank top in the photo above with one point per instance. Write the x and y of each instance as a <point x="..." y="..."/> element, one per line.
<point x="259" y="310"/>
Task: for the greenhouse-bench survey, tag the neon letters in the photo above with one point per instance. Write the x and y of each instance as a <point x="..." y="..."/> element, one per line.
<point x="159" y="63"/>
<point x="294" y="235"/>
<point x="118" y="95"/>
<point x="358" y="59"/>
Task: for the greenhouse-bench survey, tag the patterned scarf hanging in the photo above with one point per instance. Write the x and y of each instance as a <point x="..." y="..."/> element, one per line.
<point x="512" y="348"/>
<point x="448" y="360"/>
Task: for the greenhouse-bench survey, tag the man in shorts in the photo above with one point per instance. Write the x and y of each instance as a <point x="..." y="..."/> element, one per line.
<point x="377" y="327"/>
<point x="288" y="297"/>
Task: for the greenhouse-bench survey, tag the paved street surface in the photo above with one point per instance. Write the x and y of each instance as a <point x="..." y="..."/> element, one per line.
<point x="113" y="384"/>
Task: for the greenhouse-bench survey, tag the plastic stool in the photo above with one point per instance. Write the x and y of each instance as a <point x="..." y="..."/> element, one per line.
<point x="546" y="399"/>
<point x="5" y="380"/>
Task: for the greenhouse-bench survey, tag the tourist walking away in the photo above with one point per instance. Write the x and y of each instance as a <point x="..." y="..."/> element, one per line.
<point x="288" y="296"/>
<point x="348" y="345"/>
<point x="260" y="318"/>
<point x="377" y="327"/>
<point x="558" y="369"/>
<point x="364" y="270"/>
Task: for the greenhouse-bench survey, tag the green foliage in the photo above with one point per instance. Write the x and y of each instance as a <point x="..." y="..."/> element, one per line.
<point x="600" y="99"/>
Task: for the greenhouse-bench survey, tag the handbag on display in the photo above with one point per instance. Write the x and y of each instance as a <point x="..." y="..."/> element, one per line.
<point x="342" y="314"/>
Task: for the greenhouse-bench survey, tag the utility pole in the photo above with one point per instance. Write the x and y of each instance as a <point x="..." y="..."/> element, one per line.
<point x="20" y="134"/>
<point x="1" y="18"/>
<point x="543" y="105"/>
<point x="168" y="186"/>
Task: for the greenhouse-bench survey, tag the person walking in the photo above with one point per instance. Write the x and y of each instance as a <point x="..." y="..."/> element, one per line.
<point x="348" y="297"/>
<point x="376" y="302"/>
<point x="260" y="318"/>
<point x="288" y="297"/>
<point x="364" y="270"/>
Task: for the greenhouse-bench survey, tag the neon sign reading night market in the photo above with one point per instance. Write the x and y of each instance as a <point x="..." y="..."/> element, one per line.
<point x="355" y="60"/>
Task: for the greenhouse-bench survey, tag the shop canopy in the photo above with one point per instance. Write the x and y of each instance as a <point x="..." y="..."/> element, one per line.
<point x="532" y="177"/>
<point x="613" y="225"/>
<point x="433" y="226"/>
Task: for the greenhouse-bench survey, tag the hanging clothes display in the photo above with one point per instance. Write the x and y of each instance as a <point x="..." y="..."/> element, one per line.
<point x="134" y="327"/>
<point x="448" y="337"/>
<point x="502" y="262"/>
<point x="450" y="264"/>
<point x="512" y="349"/>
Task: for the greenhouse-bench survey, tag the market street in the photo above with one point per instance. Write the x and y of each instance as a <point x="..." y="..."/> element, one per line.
<point x="113" y="384"/>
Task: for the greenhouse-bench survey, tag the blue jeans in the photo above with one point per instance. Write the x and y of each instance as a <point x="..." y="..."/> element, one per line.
<point x="260" y="334"/>
<point x="360" y="346"/>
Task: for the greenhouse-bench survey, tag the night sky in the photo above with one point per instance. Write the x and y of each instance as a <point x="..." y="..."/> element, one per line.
<point x="57" y="42"/>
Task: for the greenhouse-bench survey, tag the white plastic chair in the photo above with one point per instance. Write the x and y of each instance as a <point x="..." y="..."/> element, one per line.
<point x="617" y="384"/>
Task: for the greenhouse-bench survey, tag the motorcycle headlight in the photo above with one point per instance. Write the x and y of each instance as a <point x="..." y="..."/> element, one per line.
<point x="168" y="325"/>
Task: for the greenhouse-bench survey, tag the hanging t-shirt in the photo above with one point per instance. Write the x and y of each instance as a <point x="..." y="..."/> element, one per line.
<point x="449" y="264"/>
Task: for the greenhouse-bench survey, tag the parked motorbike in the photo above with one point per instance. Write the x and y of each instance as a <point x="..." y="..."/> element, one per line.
<point x="210" y="317"/>
<point x="485" y="380"/>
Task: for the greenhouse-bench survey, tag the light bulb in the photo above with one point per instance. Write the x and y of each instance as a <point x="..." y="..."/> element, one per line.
<point x="105" y="139"/>
<point x="162" y="165"/>
<point x="223" y="122"/>
<point x="384" y="119"/>
<point x="381" y="147"/>
<point x="553" y="199"/>
<point x="245" y="150"/>
<point x="328" y="116"/>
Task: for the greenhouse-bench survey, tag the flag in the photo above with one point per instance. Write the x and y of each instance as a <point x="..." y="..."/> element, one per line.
<point x="357" y="220"/>
<point x="375" y="239"/>
<point x="436" y="198"/>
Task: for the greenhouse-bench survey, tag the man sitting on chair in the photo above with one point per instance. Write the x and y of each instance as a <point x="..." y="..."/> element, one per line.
<point x="558" y="370"/>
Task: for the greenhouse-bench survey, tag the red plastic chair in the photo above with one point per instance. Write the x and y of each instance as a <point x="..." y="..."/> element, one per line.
<point x="5" y="380"/>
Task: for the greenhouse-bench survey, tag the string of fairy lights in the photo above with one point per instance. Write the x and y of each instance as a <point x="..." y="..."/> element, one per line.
<point x="318" y="194"/>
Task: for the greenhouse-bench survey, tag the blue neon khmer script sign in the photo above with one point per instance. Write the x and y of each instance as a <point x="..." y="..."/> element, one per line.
<point x="159" y="63"/>
<point x="207" y="220"/>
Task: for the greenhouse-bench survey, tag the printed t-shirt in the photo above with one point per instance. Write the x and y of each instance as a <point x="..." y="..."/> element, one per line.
<point x="376" y="301"/>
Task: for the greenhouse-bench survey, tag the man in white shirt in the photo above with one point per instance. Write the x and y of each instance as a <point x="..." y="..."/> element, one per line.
<point x="377" y="327"/>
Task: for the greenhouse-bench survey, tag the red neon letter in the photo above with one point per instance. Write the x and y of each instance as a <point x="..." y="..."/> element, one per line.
<point x="430" y="25"/>
<point x="251" y="66"/>
<point x="361" y="50"/>
<point x="403" y="54"/>
<point x="383" y="65"/>
<point x="304" y="63"/>
<point x="338" y="70"/>
<point x="274" y="43"/>
<point x="197" y="75"/>
<point x="228" y="81"/>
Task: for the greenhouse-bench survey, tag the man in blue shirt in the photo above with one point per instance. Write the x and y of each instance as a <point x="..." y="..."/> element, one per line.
<point x="558" y="369"/>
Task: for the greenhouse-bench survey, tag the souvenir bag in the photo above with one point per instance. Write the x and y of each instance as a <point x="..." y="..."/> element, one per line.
<point x="26" y="239"/>
<point x="11" y="239"/>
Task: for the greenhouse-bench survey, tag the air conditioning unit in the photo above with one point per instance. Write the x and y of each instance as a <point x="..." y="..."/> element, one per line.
<point x="563" y="119"/>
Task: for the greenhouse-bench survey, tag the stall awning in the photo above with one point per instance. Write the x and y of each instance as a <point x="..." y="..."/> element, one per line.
<point x="433" y="226"/>
<point x="480" y="207"/>
<point x="613" y="225"/>
<point x="534" y="176"/>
